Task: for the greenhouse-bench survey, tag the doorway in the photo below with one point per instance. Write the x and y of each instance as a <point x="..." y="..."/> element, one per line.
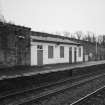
<point x="39" y="55"/>
<point x="75" y="55"/>
<point x="70" y="55"/>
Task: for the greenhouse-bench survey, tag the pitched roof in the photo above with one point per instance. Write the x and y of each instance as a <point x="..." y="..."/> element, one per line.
<point x="51" y="38"/>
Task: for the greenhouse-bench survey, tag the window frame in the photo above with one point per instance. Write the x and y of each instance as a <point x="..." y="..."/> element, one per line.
<point x="80" y="52"/>
<point x="50" y="52"/>
<point x="40" y="47"/>
<point x="62" y="52"/>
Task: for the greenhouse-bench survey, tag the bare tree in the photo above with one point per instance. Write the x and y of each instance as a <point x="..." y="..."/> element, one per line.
<point x="84" y="38"/>
<point x="58" y="33"/>
<point x="90" y="36"/>
<point x="66" y="33"/>
<point x="79" y="34"/>
<point x="93" y="39"/>
<point x="72" y="35"/>
<point x="103" y="42"/>
<point x="100" y="39"/>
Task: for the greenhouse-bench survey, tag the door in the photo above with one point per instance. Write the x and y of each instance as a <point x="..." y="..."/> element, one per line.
<point x="70" y="55"/>
<point x="75" y="55"/>
<point x="39" y="57"/>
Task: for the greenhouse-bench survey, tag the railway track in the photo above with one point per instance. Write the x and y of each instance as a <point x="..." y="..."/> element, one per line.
<point x="82" y="101"/>
<point x="25" y="96"/>
<point x="47" y="84"/>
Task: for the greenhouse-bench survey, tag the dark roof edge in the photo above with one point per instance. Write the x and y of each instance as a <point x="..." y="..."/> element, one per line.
<point x="14" y="25"/>
<point x="35" y="40"/>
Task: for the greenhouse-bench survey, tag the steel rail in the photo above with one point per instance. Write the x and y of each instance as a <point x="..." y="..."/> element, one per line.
<point x="58" y="89"/>
<point x="4" y="95"/>
<point x="12" y="93"/>
<point x="88" y="95"/>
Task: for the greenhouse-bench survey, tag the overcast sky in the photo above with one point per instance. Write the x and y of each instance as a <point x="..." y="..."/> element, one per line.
<point x="56" y="15"/>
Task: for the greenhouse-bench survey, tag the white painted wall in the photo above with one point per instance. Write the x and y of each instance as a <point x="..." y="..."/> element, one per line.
<point x="56" y="58"/>
<point x="79" y="59"/>
<point x="73" y="53"/>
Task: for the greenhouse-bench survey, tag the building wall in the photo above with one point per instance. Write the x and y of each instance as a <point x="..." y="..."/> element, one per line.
<point x="14" y="45"/>
<point x="56" y="57"/>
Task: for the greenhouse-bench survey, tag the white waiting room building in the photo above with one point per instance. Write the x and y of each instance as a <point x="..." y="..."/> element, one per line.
<point x="54" y="49"/>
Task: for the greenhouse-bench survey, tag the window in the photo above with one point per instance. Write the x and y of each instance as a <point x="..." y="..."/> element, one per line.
<point x="39" y="47"/>
<point x="61" y="51"/>
<point x="50" y="51"/>
<point x="79" y="52"/>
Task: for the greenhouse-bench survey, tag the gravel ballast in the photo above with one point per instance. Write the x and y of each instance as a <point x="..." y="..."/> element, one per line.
<point x="71" y="95"/>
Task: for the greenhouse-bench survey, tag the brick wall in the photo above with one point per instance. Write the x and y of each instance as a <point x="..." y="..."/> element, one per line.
<point x="14" y="45"/>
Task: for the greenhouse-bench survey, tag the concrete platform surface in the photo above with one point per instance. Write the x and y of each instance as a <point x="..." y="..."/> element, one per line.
<point x="14" y="73"/>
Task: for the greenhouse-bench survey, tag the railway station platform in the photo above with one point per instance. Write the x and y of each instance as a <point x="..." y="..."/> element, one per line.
<point x="17" y="72"/>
